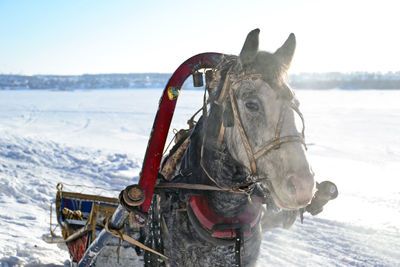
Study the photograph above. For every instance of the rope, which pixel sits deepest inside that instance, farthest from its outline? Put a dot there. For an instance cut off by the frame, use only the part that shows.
(170, 142)
(191, 121)
(51, 222)
(119, 234)
(61, 185)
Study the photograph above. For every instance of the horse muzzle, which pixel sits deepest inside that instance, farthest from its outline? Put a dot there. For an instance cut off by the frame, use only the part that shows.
(300, 188)
(295, 192)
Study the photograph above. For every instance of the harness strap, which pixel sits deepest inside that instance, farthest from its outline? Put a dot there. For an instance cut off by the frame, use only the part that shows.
(221, 135)
(224, 89)
(193, 187)
(279, 125)
(239, 247)
(296, 109)
(276, 142)
(243, 135)
(119, 234)
(237, 189)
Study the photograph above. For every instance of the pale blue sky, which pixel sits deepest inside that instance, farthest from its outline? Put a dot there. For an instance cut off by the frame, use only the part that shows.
(96, 36)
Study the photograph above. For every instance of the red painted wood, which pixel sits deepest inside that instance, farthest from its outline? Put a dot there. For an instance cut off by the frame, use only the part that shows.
(163, 119)
(77, 247)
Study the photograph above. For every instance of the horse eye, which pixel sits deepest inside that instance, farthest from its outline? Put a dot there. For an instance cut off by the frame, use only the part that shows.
(252, 106)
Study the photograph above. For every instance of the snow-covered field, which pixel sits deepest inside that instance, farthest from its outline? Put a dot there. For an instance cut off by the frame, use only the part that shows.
(98, 138)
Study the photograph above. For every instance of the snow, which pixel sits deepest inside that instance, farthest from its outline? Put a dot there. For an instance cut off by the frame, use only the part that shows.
(98, 138)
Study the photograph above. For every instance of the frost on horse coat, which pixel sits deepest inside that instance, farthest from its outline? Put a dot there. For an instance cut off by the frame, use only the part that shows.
(286, 176)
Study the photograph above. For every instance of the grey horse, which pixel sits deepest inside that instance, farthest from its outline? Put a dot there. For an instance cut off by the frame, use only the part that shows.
(248, 150)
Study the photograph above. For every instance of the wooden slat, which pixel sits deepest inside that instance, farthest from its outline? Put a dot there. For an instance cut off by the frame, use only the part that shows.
(88, 197)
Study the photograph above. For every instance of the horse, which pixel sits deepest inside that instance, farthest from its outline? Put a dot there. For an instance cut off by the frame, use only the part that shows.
(244, 152)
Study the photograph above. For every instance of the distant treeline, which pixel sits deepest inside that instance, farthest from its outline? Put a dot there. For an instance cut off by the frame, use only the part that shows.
(356, 80)
(86, 81)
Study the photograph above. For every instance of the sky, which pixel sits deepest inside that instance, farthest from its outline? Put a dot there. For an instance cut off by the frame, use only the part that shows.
(97, 36)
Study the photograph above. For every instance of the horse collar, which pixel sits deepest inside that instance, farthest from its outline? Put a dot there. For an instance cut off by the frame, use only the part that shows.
(217, 226)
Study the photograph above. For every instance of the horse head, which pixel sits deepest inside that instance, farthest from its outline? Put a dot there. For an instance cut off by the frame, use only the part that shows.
(258, 118)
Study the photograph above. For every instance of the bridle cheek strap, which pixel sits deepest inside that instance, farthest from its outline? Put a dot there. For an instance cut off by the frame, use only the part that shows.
(274, 143)
(243, 135)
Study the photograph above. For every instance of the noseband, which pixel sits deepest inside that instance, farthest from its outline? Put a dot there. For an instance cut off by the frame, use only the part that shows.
(273, 143)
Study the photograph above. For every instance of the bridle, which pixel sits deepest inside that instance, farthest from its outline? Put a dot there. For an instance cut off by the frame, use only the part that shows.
(273, 143)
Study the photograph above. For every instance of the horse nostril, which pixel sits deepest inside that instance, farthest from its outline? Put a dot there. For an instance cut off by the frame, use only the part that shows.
(299, 188)
(291, 186)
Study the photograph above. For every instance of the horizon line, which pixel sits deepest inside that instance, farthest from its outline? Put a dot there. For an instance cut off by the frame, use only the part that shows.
(128, 73)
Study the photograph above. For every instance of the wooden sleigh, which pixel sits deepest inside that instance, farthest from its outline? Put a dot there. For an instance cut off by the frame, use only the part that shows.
(81, 218)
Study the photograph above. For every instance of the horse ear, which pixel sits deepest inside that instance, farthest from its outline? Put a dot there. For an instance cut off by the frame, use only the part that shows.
(286, 51)
(250, 47)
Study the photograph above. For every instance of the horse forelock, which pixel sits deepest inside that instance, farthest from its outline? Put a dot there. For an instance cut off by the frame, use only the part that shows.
(273, 72)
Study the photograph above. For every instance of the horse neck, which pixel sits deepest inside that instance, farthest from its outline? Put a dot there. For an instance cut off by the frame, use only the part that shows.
(227, 172)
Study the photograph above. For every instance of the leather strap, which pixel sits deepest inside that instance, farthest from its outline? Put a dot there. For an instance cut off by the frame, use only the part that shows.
(119, 234)
(245, 140)
(276, 142)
